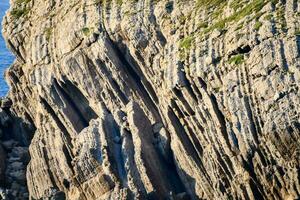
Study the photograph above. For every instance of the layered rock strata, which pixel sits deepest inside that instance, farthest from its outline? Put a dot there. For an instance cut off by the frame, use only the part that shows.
(15, 135)
(146, 99)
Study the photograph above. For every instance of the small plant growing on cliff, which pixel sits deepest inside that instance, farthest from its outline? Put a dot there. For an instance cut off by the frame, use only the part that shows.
(86, 31)
(48, 33)
(257, 25)
(98, 1)
(280, 15)
(237, 59)
(20, 9)
(17, 13)
(217, 89)
(208, 3)
(119, 2)
(186, 43)
(251, 8)
(202, 25)
(268, 17)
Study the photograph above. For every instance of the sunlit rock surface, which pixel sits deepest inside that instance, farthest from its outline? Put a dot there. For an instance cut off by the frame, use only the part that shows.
(147, 99)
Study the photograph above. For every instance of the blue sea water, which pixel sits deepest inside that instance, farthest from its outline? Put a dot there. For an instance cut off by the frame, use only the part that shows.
(6, 58)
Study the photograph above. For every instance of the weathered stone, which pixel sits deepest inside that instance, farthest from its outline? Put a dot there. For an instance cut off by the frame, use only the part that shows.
(157, 127)
(6, 103)
(4, 118)
(153, 99)
(3, 194)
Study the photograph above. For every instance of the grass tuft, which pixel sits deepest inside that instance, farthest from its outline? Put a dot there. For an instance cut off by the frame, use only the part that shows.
(253, 7)
(237, 59)
(186, 42)
(257, 25)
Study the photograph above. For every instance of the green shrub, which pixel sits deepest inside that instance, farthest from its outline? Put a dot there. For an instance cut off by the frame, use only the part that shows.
(237, 59)
(17, 13)
(86, 31)
(268, 17)
(20, 9)
(257, 25)
(186, 43)
(253, 7)
(208, 3)
(119, 2)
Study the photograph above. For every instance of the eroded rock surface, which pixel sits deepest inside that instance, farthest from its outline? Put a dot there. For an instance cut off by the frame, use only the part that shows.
(156, 99)
(15, 135)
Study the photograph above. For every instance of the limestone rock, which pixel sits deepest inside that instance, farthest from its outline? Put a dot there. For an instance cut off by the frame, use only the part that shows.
(13, 157)
(152, 99)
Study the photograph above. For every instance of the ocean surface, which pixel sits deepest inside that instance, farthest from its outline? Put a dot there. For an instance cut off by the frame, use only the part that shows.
(6, 58)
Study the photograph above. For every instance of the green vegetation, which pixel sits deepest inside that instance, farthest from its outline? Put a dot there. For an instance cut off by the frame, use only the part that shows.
(48, 33)
(208, 3)
(22, 1)
(268, 17)
(101, 2)
(202, 25)
(86, 31)
(20, 9)
(240, 26)
(217, 89)
(17, 13)
(217, 5)
(184, 46)
(186, 43)
(253, 7)
(257, 25)
(280, 15)
(119, 2)
(256, 16)
(237, 59)
(182, 19)
(235, 5)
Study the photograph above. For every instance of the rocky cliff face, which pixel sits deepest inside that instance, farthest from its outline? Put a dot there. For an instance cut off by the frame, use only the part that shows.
(15, 135)
(146, 99)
